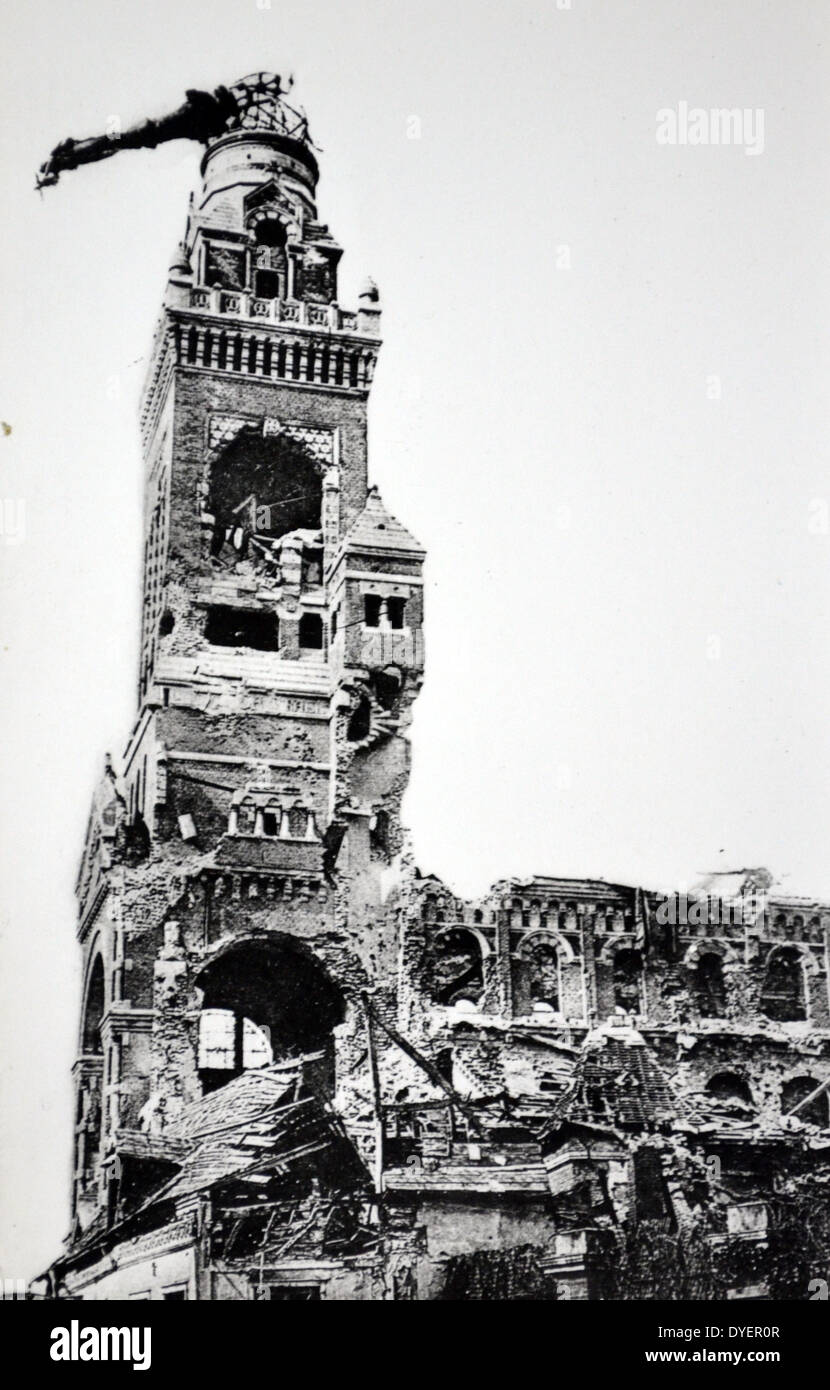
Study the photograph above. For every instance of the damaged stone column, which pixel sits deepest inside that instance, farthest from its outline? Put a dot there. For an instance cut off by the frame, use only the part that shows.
(174, 1072)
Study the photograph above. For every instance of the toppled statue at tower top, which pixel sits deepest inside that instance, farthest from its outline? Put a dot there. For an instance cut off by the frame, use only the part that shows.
(306, 1070)
(256, 102)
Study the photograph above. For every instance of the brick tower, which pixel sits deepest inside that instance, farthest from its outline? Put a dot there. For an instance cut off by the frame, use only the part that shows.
(233, 869)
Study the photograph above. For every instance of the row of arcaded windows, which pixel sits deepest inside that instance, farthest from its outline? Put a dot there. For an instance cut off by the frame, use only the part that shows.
(457, 973)
(273, 821)
(384, 612)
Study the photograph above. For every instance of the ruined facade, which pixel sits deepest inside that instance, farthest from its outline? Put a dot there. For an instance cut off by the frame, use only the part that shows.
(305, 1070)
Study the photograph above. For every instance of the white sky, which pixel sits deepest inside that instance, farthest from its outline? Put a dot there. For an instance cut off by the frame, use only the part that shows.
(593, 519)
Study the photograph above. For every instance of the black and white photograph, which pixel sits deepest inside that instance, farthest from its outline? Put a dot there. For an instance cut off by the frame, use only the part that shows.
(415, 666)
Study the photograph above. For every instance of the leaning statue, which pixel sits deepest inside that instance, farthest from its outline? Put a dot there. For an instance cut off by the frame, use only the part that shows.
(255, 102)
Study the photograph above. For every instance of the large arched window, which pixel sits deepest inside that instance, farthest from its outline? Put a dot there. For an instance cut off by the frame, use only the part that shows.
(783, 996)
(456, 967)
(728, 1086)
(797, 1090)
(263, 1002)
(265, 484)
(94, 1011)
(628, 981)
(709, 986)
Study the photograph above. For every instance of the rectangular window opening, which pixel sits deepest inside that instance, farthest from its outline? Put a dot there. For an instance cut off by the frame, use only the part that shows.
(396, 608)
(241, 627)
(371, 610)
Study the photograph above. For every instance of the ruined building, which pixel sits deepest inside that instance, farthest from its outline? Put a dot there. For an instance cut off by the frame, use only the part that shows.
(305, 1070)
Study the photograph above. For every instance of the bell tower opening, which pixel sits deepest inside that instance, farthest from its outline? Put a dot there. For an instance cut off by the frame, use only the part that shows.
(270, 259)
(268, 486)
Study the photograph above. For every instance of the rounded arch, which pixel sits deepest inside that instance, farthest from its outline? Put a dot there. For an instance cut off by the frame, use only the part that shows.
(729, 1086)
(709, 946)
(269, 229)
(784, 992)
(456, 956)
(265, 999)
(269, 215)
(551, 938)
(94, 1007)
(265, 483)
(483, 943)
(612, 945)
(536, 971)
(628, 979)
(808, 962)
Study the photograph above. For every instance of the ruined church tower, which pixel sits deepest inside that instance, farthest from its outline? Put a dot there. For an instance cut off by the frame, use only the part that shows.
(231, 881)
(307, 1070)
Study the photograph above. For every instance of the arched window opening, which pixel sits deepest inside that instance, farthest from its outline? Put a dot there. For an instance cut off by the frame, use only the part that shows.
(709, 986)
(728, 1086)
(428, 908)
(457, 969)
(783, 995)
(628, 981)
(536, 977)
(242, 818)
(311, 632)
(269, 259)
(798, 1089)
(266, 1002)
(269, 231)
(266, 484)
(94, 1012)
